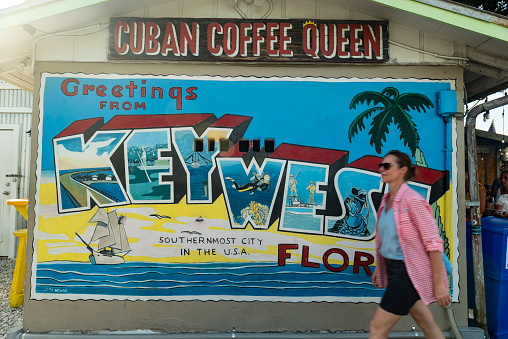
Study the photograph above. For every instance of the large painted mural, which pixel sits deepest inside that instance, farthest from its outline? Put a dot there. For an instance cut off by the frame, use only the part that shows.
(225, 188)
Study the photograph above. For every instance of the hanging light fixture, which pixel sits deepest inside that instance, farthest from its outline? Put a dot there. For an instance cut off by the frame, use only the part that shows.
(502, 114)
(504, 152)
(486, 115)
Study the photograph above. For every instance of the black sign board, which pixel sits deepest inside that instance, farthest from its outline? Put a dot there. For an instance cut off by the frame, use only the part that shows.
(248, 40)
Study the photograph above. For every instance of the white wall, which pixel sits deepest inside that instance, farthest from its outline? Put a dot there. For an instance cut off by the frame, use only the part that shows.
(87, 46)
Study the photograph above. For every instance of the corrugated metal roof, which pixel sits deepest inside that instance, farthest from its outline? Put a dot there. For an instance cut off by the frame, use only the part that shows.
(15, 98)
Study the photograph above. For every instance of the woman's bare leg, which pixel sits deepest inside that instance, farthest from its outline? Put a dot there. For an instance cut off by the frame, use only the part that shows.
(382, 323)
(424, 318)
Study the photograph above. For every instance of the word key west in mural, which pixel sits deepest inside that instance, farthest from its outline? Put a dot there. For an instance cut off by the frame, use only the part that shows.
(215, 188)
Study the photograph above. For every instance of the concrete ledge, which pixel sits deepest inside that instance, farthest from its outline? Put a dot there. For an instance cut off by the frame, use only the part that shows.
(109, 335)
(17, 333)
(14, 332)
(471, 332)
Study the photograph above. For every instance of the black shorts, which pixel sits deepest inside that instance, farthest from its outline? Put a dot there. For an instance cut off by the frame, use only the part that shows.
(400, 295)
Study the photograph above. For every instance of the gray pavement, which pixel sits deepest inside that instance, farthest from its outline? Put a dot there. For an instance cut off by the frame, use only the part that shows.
(9, 317)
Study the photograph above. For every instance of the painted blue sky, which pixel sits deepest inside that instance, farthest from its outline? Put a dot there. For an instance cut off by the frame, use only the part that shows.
(306, 111)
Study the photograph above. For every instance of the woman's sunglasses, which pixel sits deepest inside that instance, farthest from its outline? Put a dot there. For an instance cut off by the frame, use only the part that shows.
(386, 165)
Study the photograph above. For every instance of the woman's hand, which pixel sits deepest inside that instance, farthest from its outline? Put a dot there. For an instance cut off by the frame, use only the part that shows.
(441, 293)
(442, 296)
(374, 278)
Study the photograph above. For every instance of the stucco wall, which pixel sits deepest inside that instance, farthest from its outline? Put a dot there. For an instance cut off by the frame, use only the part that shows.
(183, 316)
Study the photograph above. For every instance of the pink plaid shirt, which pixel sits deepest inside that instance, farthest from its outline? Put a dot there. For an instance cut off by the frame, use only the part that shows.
(418, 234)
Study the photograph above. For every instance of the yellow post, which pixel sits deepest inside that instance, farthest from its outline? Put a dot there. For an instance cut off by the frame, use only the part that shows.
(18, 280)
(21, 205)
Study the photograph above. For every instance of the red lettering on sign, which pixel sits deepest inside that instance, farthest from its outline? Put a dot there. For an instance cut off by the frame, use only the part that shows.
(311, 40)
(87, 88)
(305, 258)
(189, 39)
(192, 95)
(117, 91)
(214, 28)
(230, 43)
(342, 41)
(100, 90)
(152, 46)
(138, 105)
(328, 40)
(137, 37)
(283, 255)
(245, 38)
(257, 39)
(65, 89)
(143, 89)
(345, 259)
(176, 93)
(365, 264)
(355, 41)
(285, 39)
(158, 90)
(271, 39)
(170, 42)
(373, 41)
(131, 88)
(121, 48)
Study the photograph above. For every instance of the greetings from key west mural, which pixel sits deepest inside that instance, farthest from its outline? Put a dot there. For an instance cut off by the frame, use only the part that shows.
(224, 188)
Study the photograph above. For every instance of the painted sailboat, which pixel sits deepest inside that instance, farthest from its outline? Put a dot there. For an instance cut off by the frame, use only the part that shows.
(296, 206)
(196, 160)
(112, 240)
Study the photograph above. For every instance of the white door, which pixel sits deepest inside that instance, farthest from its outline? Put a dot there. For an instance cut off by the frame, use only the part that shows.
(9, 183)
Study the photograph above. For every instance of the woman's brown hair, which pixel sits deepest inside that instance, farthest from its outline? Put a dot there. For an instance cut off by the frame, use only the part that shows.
(403, 160)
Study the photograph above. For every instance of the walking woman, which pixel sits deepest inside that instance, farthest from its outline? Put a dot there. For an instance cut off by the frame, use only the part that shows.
(408, 254)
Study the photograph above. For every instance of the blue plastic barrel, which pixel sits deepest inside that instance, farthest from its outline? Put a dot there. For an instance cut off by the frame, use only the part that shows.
(495, 264)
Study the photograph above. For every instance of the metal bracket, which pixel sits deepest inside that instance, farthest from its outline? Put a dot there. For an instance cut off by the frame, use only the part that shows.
(476, 229)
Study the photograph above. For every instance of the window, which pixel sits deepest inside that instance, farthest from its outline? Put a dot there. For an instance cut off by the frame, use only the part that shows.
(256, 145)
(243, 145)
(269, 145)
(198, 145)
(223, 145)
(211, 145)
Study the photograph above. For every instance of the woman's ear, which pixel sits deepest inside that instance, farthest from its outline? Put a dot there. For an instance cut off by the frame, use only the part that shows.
(404, 170)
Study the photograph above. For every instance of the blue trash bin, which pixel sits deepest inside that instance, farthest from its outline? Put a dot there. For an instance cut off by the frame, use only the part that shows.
(495, 265)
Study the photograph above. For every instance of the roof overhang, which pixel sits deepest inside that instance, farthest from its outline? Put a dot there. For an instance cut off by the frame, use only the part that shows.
(484, 34)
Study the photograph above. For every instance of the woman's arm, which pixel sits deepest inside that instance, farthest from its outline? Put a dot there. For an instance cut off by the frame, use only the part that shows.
(493, 192)
(440, 291)
(483, 199)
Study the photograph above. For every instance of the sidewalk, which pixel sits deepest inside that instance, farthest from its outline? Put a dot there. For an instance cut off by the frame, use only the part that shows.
(9, 317)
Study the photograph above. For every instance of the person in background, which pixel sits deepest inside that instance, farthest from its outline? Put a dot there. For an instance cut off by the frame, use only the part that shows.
(501, 196)
(409, 262)
(496, 184)
(488, 192)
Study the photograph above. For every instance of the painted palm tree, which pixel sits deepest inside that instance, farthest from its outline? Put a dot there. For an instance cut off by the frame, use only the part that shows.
(390, 106)
(393, 107)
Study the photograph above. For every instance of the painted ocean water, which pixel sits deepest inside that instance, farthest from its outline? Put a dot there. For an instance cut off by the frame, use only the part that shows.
(140, 279)
(199, 184)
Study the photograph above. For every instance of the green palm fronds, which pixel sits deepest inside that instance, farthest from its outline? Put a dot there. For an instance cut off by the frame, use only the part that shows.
(389, 106)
